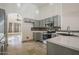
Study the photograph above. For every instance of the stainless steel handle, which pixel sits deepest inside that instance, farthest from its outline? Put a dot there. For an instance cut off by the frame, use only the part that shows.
(2, 38)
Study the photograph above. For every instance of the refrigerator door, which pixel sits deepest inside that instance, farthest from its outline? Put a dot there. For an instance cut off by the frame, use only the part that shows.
(3, 31)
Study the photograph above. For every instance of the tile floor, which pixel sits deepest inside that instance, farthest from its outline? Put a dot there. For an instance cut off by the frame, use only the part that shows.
(28, 48)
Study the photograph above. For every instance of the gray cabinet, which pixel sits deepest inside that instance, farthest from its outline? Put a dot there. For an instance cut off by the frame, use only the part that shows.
(54, 49)
(42, 23)
(36, 23)
(57, 21)
(37, 36)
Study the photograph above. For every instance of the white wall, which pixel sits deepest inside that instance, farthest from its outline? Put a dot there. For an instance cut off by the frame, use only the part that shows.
(49, 10)
(70, 16)
(26, 30)
(29, 11)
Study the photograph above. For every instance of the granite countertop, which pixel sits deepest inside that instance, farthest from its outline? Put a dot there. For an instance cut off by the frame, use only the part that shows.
(66, 41)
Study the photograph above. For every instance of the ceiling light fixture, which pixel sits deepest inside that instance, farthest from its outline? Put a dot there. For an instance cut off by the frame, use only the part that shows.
(18, 4)
(51, 4)
(37, 11)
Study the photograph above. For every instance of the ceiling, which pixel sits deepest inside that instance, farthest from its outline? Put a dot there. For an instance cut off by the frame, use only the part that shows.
(29, 10)
(40, 4)
(36, 4)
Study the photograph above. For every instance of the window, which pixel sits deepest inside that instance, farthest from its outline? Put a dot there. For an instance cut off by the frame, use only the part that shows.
(10, 27)
(17, 27)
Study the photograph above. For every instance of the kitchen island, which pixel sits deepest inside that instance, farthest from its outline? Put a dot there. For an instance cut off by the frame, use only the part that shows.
(63, 45)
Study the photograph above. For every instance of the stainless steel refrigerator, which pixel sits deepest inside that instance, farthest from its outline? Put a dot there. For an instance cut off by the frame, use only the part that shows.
(3, 32)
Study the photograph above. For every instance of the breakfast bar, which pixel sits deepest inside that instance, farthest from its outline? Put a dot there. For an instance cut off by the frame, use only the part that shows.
(63, 45)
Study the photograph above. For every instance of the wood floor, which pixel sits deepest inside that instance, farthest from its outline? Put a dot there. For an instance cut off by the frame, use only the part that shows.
(28, 48)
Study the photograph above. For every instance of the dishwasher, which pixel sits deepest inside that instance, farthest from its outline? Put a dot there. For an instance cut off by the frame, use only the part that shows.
(37, 36)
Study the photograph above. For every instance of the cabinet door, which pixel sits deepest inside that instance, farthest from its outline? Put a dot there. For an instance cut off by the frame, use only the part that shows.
(57, 21)
(42, 23)
(47, 21)
(36, 24)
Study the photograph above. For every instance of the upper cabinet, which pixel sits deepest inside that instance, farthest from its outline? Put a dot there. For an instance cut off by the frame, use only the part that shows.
(36, 23)
(42, 23)
(57, 21)
(50, 22)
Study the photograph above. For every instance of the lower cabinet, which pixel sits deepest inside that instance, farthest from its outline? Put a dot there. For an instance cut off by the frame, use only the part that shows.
(37, 36)
(54, 49)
